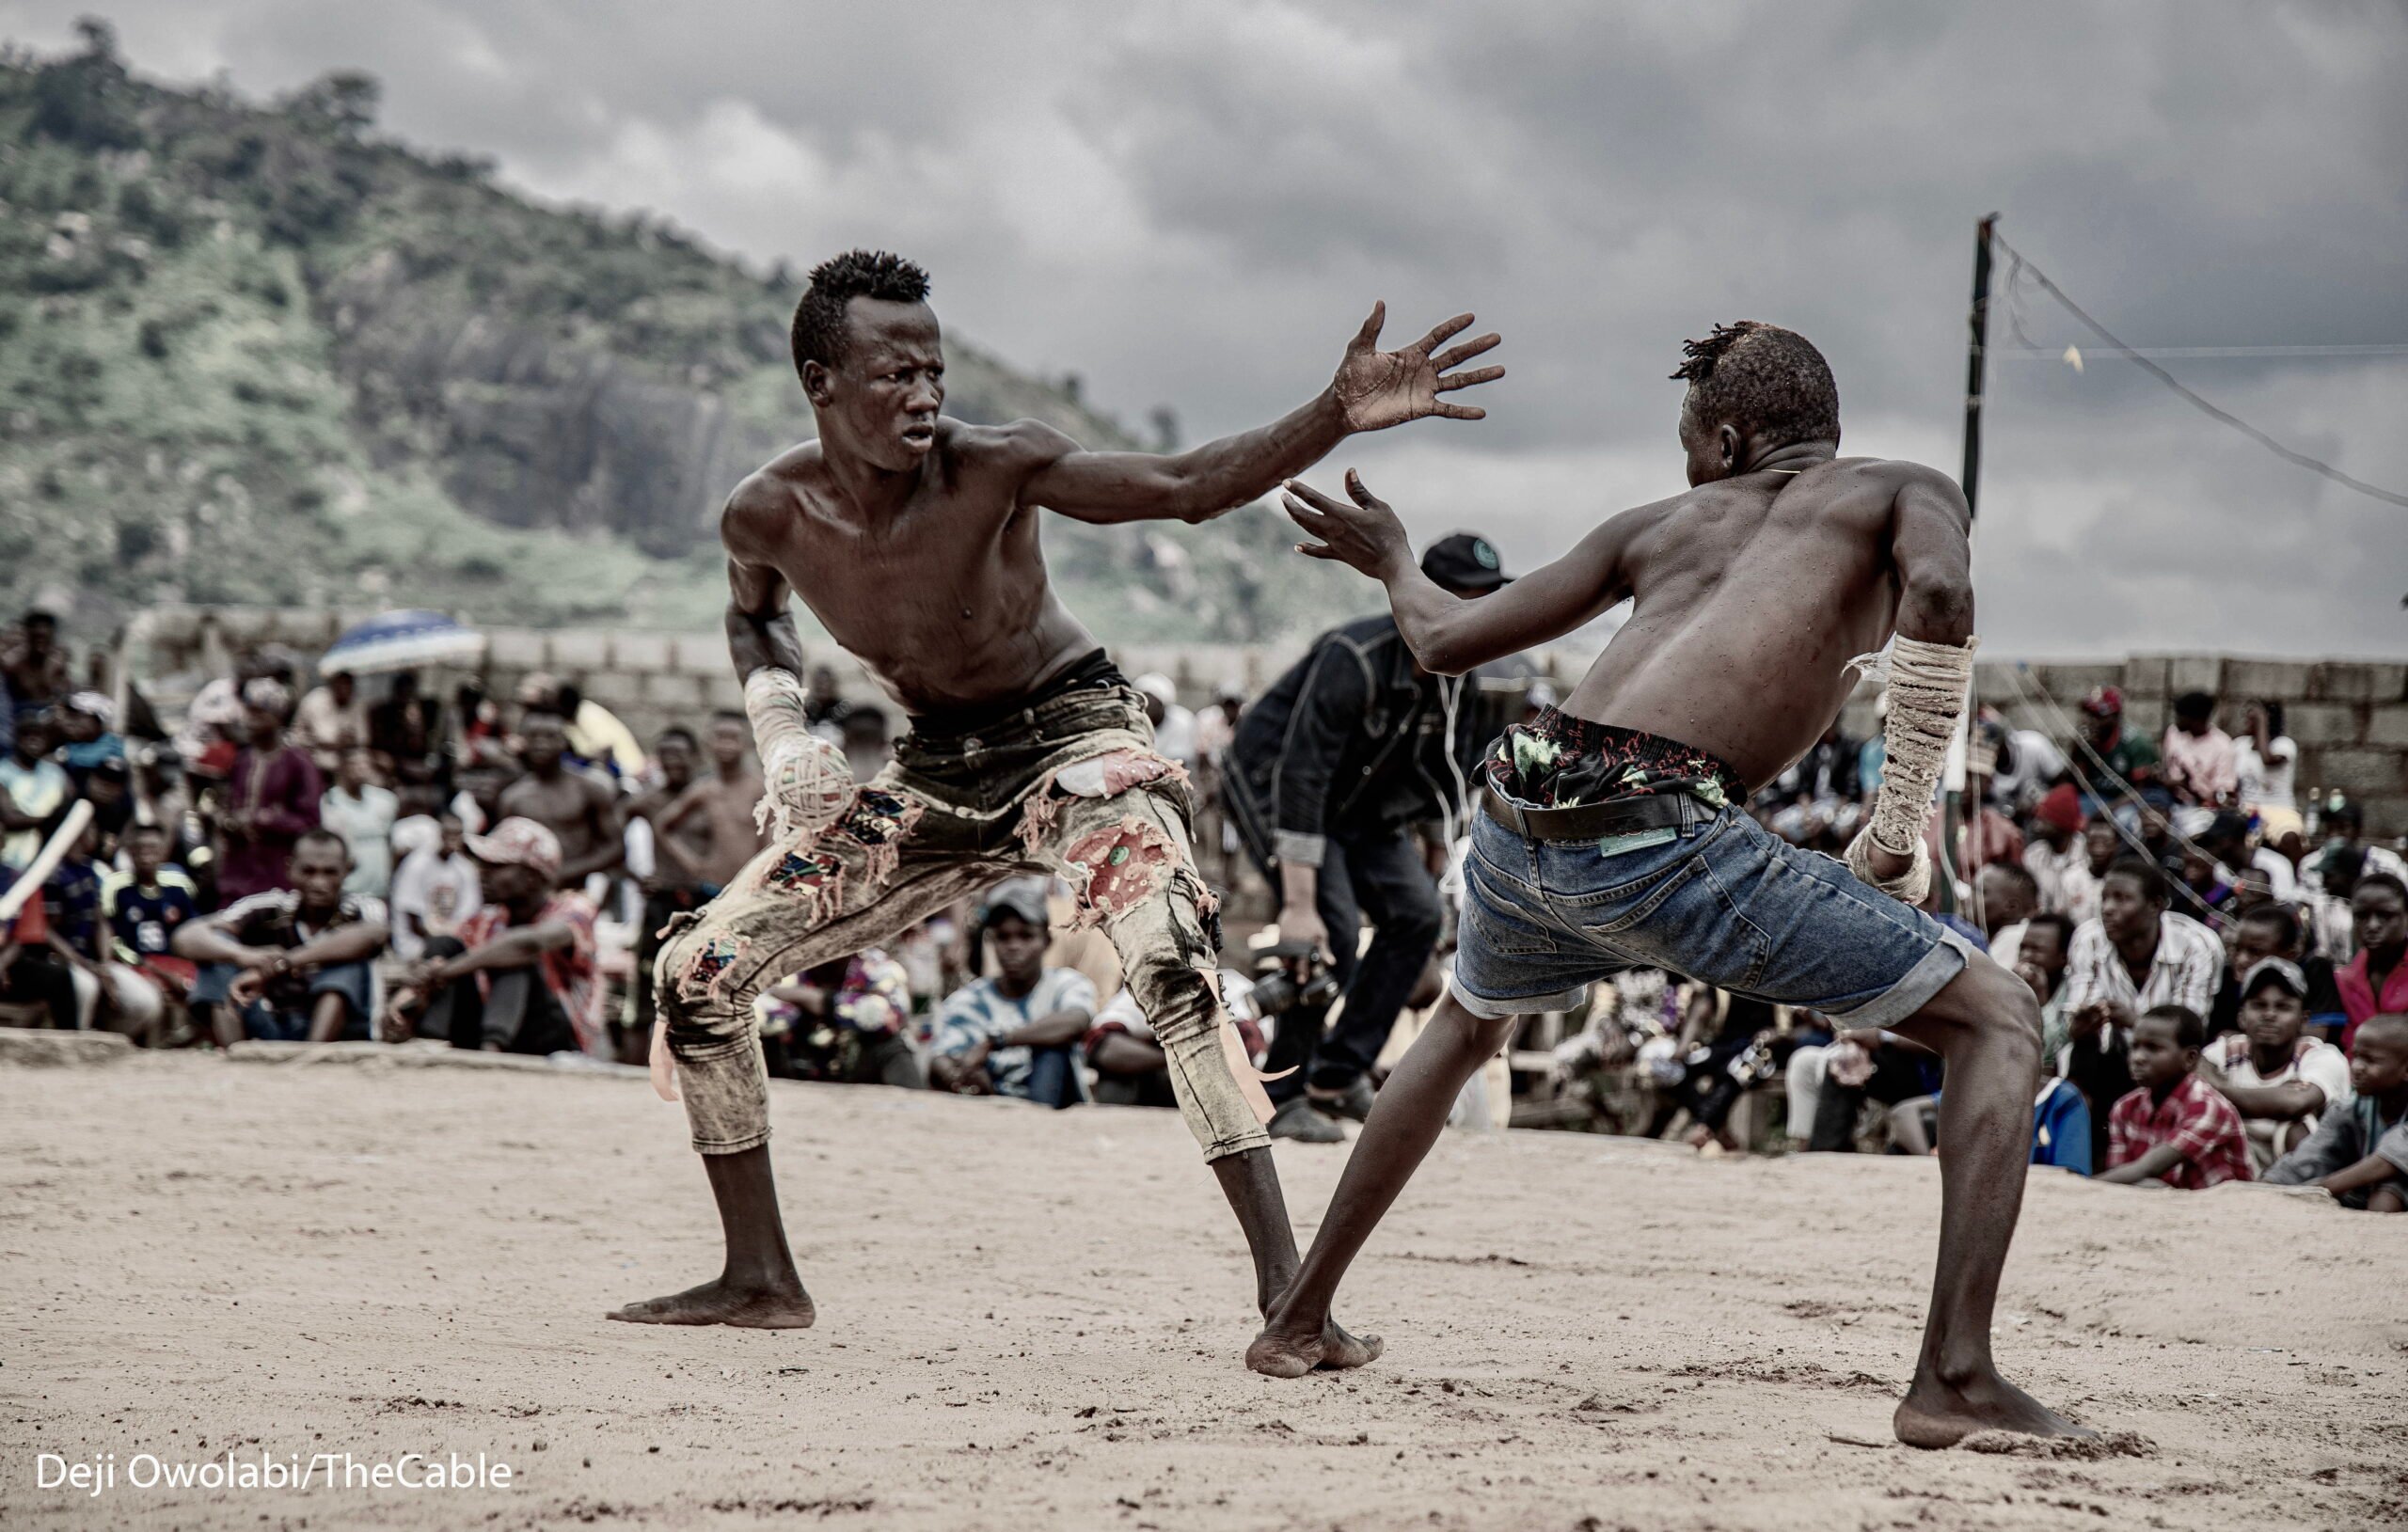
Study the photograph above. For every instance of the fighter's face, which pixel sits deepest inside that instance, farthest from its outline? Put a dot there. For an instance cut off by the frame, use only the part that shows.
(883, 395)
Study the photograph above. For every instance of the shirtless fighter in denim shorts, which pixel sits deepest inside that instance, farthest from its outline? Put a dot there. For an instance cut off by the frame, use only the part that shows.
(913, 538)
(1614, 834)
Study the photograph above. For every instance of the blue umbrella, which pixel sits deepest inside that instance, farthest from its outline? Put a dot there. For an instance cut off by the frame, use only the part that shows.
(399, 641)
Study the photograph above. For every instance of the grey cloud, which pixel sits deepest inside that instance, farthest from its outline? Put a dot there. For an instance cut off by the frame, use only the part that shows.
(1193, 205)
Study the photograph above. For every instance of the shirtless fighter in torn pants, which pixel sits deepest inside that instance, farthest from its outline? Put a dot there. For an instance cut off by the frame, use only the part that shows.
(1615, 833)
(914, 539)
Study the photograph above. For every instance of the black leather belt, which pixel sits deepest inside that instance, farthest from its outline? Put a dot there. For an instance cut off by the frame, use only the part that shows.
(1594, 821)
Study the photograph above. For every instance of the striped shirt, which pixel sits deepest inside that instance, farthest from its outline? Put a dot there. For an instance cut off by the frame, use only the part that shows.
(2187, 971)
(979, 1011)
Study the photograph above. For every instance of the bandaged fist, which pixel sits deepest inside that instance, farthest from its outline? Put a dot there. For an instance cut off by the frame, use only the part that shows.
(1906, 879)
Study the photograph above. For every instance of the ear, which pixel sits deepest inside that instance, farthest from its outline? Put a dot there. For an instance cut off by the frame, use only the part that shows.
(818, 384)
(1727, 444)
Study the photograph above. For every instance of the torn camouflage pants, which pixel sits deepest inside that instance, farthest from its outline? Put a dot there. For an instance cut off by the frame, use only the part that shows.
(1069, 786)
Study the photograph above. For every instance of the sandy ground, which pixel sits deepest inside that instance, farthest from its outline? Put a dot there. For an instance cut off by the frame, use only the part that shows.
(1035, 1320)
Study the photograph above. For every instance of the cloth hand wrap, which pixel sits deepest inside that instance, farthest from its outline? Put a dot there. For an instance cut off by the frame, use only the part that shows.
(807, 782)
(1928, 687)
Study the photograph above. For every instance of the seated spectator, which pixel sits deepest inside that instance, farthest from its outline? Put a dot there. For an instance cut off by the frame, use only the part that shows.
(402, 733)
(332, 719)
(272, 795)
(291, 963)
(2056, 858)
(2201, 766)
(2324, 898)
(2007, 894)
(2137, 955)
(2266, 760)
(87, 741)
(2039, 958)
(2173, 1128)
(1131, 1067)
(1174, 725)
(363, 815)
(2345, 834)
(2061, 1134)
(144, 907)
(2359, 1152)
(28, 978)
(435, 890)
(2272, 930)
(1017, 1034)
(33, 790)
(2278, 1079)
(2108, 751)
(108, 995)
(2376, 981)
(843, 1022)
(521, 976)
(1828, 1085)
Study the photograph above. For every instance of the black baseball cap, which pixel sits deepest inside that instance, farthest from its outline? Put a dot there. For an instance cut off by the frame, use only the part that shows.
(1464, 561)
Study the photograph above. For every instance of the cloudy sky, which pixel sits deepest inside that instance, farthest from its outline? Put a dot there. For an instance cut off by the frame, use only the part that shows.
(1194, 205)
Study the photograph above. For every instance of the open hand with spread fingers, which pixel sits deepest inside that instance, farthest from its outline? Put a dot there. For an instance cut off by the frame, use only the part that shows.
(1381, 388)
(1364, 535)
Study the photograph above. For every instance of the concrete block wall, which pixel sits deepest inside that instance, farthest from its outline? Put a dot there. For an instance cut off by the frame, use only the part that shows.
(2350, 717)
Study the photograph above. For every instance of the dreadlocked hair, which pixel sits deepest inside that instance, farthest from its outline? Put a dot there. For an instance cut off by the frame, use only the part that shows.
(1761, 378)
(818, 334)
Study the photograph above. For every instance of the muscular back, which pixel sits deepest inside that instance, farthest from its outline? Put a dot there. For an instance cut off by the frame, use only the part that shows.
(945, 599)
(1751, 594)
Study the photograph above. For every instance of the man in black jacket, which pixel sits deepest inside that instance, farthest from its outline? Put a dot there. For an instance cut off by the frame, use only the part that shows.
(1329, 770)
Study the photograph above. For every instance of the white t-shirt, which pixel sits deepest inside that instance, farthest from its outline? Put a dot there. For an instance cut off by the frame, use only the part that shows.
(436, 888)
(2266, 781)
(366, 825)
(2280, 877)
(2320, 1064)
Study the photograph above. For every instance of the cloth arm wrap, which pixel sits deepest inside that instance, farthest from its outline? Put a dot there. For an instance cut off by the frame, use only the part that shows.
(1928, 687)
(806, 781)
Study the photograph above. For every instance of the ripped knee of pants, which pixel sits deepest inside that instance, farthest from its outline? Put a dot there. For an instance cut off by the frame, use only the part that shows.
(694, 981)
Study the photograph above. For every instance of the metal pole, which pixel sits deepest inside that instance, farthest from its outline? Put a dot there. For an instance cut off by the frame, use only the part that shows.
(1977, 319)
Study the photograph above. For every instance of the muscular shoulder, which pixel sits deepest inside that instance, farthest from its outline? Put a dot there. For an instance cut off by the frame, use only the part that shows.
(1898, 477)
(1017, 447)
(767, 497)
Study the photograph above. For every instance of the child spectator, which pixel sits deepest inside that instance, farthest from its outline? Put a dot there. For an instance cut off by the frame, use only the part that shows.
(144, 909)
(2173, 1128)
(33, 790)
(2376, 981)
(2359, 1153)
(2280, 1081)
(1018, 1033)
(362, 813)
(522, 976)
(291, 963)
(435, 890)
(87, 741)
(108, 995)
(1131, 1067)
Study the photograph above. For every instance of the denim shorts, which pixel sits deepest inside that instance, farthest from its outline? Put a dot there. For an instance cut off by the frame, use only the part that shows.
(1719, 900)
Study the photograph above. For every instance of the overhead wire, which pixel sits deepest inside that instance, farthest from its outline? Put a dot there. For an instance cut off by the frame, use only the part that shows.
(2021, 265)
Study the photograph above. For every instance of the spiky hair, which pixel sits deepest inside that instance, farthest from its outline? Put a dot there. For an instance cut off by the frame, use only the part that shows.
(1762, 378)
(818, 334)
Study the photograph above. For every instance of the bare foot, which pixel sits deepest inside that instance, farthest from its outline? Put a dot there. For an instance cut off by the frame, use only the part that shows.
(1278, 1355)
(722, 1303)
(1938, 1415)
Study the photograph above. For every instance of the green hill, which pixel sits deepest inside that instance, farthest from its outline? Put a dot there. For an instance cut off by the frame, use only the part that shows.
(259, 354)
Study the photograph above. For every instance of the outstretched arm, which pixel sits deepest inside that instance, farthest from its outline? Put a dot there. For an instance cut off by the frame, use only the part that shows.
(1374, 390)
(1447, 633)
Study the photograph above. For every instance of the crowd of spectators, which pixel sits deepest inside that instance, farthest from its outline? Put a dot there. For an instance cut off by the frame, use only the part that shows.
(2220, 966)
